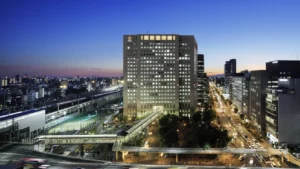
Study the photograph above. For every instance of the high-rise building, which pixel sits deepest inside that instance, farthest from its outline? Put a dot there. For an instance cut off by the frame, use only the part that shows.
(202, 85)
(229, 70)
(282, 112)
(240, 90)
(160, 71)
(280, 69)
(257, 96)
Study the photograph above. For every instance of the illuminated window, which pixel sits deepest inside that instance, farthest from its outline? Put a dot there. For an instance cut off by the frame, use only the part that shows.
(151, 37)
(174, 37)
(157, 37)
(142, 38)
(169, 37)
(163, 37)
(146, 37)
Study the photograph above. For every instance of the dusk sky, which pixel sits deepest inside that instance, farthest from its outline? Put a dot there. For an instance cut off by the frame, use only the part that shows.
(72, 37)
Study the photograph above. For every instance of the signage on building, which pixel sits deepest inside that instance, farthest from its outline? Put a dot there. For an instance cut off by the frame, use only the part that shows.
(129, 39)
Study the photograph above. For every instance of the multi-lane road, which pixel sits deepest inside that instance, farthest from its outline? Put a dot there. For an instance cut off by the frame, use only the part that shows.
(243, 137)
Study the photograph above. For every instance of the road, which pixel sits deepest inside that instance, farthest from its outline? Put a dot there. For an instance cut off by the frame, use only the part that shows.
(11, 155)
(241, 130)
(233, 128)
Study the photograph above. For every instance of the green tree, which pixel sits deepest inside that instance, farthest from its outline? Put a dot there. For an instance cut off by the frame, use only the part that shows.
(197, 117)
(171, 138)
(242, 116)
(81, 150)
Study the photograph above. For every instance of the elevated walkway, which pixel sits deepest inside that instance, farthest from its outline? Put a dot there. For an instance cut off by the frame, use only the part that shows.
(202, 150)
(96, 139)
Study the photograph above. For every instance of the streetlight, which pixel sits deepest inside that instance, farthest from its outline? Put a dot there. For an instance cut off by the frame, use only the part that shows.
(251, 161)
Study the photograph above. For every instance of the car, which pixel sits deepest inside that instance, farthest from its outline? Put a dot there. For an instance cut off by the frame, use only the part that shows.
(273, 164)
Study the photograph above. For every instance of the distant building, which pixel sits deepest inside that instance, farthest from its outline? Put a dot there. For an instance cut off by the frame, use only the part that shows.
(202, 84)
(89, 87)
(4, 82)
(18, 78)
(12, 81)
(114, 81)
(64, 84)
(160, 72)
(240, 90)
(229, 70)
(257, 96)
(41, 92)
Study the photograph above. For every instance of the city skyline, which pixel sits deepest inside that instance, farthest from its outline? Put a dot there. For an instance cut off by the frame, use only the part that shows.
(58, 38)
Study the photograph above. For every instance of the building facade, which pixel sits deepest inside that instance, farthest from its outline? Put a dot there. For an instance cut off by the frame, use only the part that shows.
(202, 85)
(282, 112)
(229, 70)
(280, 69)
(257, 96)
(160, 71)
(240, 92)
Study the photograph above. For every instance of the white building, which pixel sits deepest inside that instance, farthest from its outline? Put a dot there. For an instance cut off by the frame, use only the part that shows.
(114, 81)
(89, 87)
(41, 92)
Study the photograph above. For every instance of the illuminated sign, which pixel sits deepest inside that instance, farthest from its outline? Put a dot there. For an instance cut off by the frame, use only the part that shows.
(283, 80)
(129, 39)
(275, 62)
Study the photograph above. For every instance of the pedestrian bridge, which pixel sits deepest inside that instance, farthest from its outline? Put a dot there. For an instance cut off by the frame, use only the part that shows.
(202, 150)
(101, 138)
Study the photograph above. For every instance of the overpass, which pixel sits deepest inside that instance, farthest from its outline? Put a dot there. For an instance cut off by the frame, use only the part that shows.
(202, 150)
(43, 140)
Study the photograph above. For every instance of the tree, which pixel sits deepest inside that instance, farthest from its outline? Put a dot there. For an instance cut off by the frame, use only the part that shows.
(236, 110)
(81, 150)
(171, 138)
(168, 129)
(208, 116)
(242, 116)
(197, 117)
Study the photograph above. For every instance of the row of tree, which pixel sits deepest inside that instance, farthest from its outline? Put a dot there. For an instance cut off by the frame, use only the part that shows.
(194, 132)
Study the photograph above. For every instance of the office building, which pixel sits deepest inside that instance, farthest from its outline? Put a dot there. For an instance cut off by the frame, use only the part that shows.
(160, 72)
(229, 70)
(202, 85)
(280, 69)
(257, 96)
(282, 109)
(240, 90)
